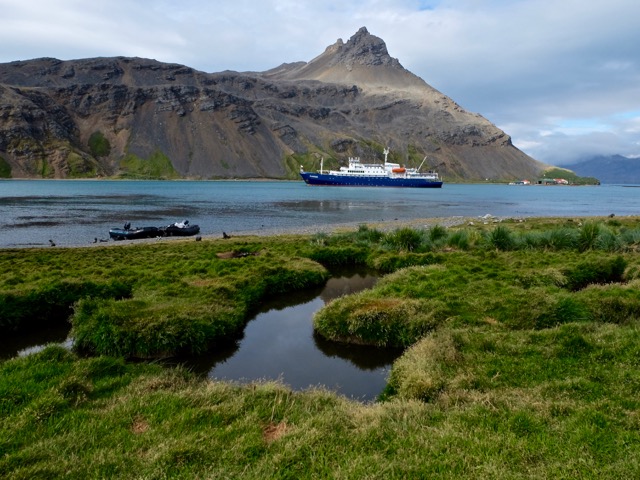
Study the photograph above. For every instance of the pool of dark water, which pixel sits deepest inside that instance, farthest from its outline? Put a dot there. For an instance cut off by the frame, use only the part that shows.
(279, 344)
(24, 342)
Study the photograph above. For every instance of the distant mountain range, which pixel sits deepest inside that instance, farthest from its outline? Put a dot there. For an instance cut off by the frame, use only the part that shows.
(609, 169)
(140, 118)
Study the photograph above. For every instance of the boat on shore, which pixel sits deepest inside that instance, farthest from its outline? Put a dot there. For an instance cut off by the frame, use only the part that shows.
(361, 174)
(134, 233)
(178, 229)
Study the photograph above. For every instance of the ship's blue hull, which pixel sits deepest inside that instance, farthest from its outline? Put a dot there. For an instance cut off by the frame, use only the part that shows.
(367, 181)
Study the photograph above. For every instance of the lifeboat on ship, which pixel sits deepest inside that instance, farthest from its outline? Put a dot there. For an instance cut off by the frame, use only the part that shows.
(399, 170)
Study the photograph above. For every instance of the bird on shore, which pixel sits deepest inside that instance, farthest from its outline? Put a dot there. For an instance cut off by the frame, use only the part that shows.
(52, 243)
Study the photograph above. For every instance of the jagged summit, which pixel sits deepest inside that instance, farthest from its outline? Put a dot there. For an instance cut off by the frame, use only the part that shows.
(361, 49)
(364, 60)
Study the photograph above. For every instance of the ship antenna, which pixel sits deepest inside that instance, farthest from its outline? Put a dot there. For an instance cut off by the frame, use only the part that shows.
(386, 152)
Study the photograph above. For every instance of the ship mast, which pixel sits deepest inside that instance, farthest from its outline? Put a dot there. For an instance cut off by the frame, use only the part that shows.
(423, 160)
(386, 152)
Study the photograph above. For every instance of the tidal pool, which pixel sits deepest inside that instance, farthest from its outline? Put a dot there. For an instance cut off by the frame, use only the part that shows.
(279, 344)
(32, 340)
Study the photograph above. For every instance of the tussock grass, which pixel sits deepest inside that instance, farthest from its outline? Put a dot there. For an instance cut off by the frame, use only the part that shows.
(460, 239)
(406, 239)
(592, 271)
(187, 318)
(423, 372)
(20, 309)
(469, 404)
(152, 299)
(340, 255)
(520, 289)
(369, 319)
(501, 238)
(391, 262)
(521, 358)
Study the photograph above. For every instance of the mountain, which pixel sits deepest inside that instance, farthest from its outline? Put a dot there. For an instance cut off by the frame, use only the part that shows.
(134, 117)
(609, 169)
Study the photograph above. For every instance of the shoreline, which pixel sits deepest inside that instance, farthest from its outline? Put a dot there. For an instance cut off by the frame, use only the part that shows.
(383, 225)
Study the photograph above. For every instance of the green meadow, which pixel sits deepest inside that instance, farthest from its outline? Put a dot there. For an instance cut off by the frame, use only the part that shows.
(521, 358)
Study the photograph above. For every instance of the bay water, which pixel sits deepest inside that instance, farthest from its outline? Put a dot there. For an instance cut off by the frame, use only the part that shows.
(80, 212)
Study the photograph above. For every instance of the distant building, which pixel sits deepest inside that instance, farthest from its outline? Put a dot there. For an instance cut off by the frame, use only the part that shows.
(553, 181)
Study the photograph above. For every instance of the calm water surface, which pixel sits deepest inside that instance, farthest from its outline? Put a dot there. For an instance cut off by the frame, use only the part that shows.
(77, 212)
(279, 344)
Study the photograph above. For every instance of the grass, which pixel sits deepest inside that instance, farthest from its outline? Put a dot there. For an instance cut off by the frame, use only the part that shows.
(5, 168)
(555, 404)
(521, 355)
(156, 166)
(99, 145)
(149, 300)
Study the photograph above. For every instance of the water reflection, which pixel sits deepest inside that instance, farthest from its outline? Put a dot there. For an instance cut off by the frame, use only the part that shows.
(279, 344)
(33, 339)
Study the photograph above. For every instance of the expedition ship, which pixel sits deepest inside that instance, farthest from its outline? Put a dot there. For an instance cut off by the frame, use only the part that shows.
(373, 175)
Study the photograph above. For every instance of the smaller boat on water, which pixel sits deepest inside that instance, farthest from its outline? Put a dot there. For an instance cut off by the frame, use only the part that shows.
(135, 233)
(181, 229)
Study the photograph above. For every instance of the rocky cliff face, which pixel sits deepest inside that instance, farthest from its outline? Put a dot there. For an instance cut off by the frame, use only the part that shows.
(131, 116)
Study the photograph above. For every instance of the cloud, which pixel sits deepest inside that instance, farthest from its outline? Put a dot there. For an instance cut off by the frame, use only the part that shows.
(562, 78)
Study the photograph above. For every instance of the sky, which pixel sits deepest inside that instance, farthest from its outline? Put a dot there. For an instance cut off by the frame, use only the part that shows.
(562, 77)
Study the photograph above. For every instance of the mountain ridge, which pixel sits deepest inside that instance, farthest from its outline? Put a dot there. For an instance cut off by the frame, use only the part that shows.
(170, 120)
(616, 169)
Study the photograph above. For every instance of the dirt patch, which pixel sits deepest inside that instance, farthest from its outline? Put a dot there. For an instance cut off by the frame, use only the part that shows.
(235, 254)
(274, 431)
(140, 425)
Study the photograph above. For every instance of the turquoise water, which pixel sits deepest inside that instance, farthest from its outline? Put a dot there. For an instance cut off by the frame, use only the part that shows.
(77, 212)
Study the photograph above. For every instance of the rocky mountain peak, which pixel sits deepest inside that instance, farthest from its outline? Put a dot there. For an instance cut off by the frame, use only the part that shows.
(363, 60)
(365, 49)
